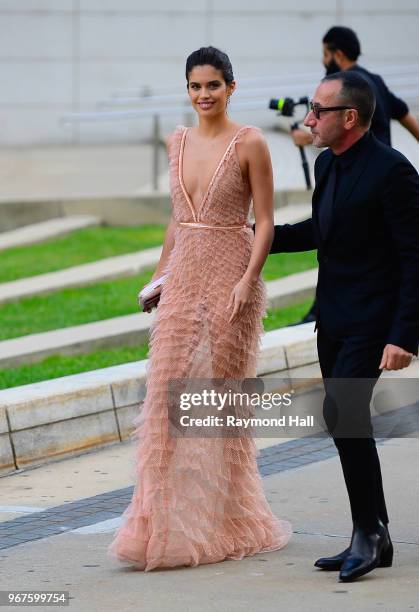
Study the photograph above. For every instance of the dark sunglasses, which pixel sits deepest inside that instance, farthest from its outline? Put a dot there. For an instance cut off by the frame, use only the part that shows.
(317, 109)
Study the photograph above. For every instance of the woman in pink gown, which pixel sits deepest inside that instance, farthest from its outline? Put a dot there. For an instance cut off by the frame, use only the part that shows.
(201, 500)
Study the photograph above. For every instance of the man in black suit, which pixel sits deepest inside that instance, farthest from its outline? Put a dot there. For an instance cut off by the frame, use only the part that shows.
(365, 227)
(341, 50)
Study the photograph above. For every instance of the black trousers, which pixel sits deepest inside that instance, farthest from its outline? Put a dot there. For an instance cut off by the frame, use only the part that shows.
(357, 358)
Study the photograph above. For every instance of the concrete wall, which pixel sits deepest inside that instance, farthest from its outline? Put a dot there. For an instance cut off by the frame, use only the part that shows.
(58, 56)
(75, 414)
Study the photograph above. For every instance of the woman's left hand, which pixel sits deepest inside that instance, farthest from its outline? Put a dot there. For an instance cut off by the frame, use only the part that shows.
(240, 299)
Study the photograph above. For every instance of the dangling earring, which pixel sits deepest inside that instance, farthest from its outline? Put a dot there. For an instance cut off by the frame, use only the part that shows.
(228, 102)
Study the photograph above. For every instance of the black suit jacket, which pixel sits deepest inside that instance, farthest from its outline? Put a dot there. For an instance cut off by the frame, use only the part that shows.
(368, 280)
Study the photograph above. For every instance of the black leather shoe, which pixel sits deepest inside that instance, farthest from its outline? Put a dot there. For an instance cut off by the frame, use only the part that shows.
(369, 549)
(332, 564)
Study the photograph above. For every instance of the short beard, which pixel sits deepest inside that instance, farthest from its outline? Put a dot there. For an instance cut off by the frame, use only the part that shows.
(332, 67)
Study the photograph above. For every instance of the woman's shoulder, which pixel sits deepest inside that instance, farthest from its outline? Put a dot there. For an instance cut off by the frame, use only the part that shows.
(252, 137)
(250, 133)
(248, 128)
(175, 135)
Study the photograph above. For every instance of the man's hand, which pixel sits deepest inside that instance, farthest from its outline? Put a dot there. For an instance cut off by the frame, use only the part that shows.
(395, 358)
(301, 138)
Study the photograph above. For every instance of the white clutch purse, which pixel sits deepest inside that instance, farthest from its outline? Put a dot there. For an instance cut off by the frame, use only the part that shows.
(149, 295)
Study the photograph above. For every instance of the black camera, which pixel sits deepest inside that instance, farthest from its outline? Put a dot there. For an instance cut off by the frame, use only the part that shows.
(286, 107)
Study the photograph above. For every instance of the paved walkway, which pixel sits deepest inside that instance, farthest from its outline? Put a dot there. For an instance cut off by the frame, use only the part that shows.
(115, 170)
(310, 493)
(101, 512)
(73, 172)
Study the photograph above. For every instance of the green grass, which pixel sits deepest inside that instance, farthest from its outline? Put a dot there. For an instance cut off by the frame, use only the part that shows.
(78, 247)
(71, 307)
(283, 264)
(91, 244)
(65, 365)
(114, 298)
(281, 317)
(62, 365)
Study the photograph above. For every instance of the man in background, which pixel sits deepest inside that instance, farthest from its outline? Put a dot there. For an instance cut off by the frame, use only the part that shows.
(341, 49)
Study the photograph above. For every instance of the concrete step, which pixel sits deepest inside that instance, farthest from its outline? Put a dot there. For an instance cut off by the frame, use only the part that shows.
(112, 267)
(75, 414)
(135, 209)
(129, 330)
(77, 276)
(53, 228)
(292, 213)
(292, 289)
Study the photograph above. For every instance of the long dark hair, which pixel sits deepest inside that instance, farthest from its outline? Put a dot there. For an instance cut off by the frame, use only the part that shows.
(212, 57)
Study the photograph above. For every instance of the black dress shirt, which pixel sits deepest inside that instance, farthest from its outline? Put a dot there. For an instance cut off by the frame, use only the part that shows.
(345, 161)
(338, 182)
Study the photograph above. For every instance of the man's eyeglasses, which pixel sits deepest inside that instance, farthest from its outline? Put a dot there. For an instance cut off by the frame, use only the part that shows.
(317, 109)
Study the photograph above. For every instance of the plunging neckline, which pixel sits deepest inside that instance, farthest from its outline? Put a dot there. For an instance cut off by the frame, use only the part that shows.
(195, 212)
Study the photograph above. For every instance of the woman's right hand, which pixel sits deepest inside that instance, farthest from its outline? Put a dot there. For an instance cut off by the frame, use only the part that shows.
(241, 298)
(150, 300)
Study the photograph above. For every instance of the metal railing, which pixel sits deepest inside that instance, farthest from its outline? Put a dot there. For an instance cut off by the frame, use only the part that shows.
(249, 97)
(384, 70)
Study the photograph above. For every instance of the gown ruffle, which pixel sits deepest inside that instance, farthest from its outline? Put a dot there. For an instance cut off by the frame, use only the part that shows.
(199, 500)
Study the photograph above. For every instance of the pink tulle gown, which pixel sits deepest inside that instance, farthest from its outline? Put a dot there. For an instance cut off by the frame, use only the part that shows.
(200, 500)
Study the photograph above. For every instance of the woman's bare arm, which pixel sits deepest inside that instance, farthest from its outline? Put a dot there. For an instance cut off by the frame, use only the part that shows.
(169, 239)
(261, 183)
(259, 168)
